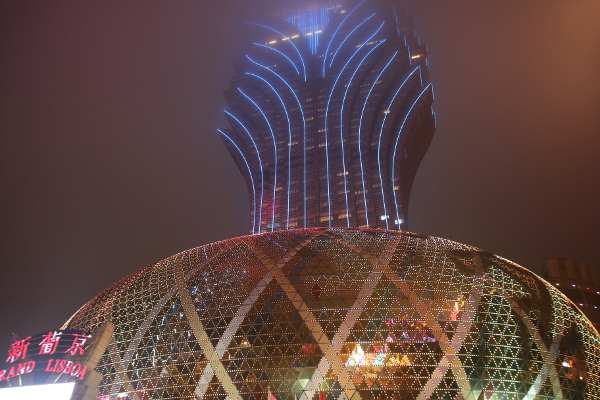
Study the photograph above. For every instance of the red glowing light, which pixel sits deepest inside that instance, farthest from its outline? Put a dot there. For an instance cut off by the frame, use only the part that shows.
(49, 343)
(77, 345)
(18, 349)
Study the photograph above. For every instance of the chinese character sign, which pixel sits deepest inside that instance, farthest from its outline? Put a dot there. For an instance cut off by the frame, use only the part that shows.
(36, 357)
(18, 350)
(77, 345)
(49, 343)
(69, 343)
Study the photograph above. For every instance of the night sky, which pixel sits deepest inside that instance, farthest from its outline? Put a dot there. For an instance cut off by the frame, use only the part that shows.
(110, 160)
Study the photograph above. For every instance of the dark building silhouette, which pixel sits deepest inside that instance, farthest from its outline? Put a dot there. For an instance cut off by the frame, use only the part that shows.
(579, 282)
(331, 115)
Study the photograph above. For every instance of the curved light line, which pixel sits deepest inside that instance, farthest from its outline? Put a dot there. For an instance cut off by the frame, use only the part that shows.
(379, 146)
(396, 148)
(289, 147)
(289, 41)
(274, 150)
(346, 38)
(303, 122)
(342, 128)
(251, 178)
(326, 125)
(274, 49)
(262, 179)
(334, 33)
(362, 171)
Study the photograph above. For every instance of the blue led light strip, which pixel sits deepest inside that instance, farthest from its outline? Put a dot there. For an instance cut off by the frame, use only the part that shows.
(379, 147)
(303, 127)
(342, 128)
(251, 179)
(346, 38)
(326, 128)
(275, 155)
(397, 24)
(334, 33)
(362, 171)
(396, 148)
(287, 58)
(262, 180)
(312, 23)
(289, 147)
(288, 40)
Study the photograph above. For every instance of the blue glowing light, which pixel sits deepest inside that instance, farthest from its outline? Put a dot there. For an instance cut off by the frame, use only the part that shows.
(379, 146)
(262, 180)
(346, 38)
(303, 125)
(289, 147)
(396, 147)
(326, 127)
(342, 126)
(312, 23)
(362, 171)
(396, 17)
(275, 155)
(286, 57)
(348, 103)
(334, 33)
(251, 178)
(289, 40)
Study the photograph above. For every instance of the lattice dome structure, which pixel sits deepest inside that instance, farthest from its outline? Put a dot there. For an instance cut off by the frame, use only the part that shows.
(341, 314)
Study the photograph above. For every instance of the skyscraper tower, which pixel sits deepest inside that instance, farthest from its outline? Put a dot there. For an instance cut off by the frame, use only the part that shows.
(330, 115)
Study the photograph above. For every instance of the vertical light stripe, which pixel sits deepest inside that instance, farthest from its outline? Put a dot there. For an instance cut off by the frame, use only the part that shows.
(289, 147)
(342, 128)
(397, 24)
(392, 172)
(275, 156)
(326, 127)
(303, 127)
(251, 179)
(333, 36)
(381, 184)
(260, 164)
(362, 171)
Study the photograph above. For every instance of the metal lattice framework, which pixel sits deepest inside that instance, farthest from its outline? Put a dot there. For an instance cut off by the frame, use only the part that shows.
(343, 314)
(331, 115)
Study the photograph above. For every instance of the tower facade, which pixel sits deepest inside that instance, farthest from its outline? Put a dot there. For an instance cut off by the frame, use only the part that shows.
(330, 116)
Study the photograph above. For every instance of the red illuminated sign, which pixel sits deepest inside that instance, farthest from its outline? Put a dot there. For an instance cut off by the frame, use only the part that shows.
(48, 345)
(32, 354)
(77, 345)
(66, 367)
(15, 370)
(18, 350)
